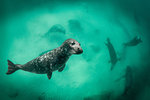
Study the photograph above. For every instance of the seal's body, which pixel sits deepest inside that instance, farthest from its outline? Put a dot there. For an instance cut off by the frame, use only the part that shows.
(112, 53)
(135, 41)
(128, 80)
(50, 61)
(128, 76)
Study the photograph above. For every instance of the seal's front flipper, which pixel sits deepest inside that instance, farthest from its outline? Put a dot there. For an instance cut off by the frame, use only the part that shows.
(62, 68)
(49, 75)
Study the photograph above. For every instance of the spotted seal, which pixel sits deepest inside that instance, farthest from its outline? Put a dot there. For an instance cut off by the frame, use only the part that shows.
(135, 41)
(112, 53)
(50, 61)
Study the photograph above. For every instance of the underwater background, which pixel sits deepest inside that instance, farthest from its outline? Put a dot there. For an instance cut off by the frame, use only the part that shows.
(30, 27)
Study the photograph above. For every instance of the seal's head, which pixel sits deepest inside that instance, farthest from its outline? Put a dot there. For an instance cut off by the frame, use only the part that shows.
(73, 46)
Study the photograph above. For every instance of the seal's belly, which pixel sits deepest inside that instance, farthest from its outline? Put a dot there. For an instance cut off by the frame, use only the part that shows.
(40, 70)
(56, 67)
(45, 63)
(36, 69)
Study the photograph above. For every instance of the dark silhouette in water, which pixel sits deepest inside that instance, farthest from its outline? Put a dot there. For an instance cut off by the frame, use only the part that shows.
(128, 80)
(57, 28)
(50, 61)
(101, 96)
(56, 32)
(13, 95)
(135, 41)
(112, 53)
(75, 26)
(42, 96)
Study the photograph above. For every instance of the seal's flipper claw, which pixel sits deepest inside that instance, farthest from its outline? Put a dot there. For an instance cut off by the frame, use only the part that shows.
(49, 75)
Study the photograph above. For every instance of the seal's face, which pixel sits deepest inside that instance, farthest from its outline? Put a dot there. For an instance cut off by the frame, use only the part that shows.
(74, 46)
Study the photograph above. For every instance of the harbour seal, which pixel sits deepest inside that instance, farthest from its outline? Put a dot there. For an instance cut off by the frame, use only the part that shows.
(128, 76)
(50, 61)
(128, 80)
(112, 53)
(135, 41)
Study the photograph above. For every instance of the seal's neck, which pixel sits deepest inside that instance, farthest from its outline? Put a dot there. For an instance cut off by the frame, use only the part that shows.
(64, 51)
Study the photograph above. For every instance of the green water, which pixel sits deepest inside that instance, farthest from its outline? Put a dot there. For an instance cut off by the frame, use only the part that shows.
(26, 32)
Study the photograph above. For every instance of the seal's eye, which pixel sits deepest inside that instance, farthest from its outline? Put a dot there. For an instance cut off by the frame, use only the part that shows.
(72, 43)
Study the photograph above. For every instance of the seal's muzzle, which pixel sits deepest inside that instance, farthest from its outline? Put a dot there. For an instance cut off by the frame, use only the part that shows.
(80, 50)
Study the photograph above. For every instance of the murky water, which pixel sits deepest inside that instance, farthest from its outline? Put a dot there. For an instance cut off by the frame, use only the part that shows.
(29, 28)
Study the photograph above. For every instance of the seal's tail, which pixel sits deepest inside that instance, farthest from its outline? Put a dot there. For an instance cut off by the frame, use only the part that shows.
(12, 67)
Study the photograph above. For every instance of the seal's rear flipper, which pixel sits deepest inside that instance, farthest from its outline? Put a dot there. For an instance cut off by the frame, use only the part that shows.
(49, 75)
(12, 67)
